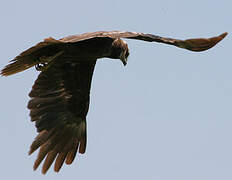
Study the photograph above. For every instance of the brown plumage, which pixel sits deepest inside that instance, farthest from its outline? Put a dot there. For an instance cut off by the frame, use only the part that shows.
(60, 95)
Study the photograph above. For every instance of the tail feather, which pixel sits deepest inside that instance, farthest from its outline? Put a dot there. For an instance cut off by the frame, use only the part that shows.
(18, 65)
(32, 56)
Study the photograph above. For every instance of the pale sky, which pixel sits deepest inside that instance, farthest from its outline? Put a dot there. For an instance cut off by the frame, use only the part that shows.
(166, 115)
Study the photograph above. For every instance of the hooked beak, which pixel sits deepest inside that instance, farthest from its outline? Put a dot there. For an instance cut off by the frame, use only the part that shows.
(123, 58)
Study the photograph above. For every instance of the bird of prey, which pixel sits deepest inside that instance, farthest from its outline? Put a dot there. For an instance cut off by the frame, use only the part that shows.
(60, 95)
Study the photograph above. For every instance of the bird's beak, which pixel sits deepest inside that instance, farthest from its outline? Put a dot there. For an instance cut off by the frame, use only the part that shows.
(124, 62)
(123, 58)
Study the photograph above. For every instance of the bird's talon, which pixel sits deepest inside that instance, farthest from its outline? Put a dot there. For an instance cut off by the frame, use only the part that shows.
(41, 66)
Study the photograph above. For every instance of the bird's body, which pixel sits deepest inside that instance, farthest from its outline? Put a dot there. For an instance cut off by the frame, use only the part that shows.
(60, 95)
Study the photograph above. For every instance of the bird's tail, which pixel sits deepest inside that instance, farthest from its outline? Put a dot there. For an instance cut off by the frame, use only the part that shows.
(31, 57)
(17, 65)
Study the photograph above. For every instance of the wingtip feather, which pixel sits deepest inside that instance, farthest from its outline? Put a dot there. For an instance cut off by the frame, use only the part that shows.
(60, 161)
(49, 160)
(200, 44)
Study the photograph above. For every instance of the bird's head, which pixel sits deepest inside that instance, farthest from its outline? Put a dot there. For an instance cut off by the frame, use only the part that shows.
(119, 50)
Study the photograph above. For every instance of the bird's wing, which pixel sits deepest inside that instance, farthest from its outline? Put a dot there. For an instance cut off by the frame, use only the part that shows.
(197, 44)
(53, 48)
(59, 105)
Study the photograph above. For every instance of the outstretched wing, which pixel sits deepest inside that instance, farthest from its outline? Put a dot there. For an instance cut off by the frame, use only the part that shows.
(52, 48)
(59, 105)
(198, 44)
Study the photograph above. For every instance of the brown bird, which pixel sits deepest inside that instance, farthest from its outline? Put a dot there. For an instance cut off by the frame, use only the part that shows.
(60, 95)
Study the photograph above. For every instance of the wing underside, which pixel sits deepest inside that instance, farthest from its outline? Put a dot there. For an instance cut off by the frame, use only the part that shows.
(59, 105)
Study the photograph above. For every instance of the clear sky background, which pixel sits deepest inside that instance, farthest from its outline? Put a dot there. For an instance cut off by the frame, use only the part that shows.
(166, 115)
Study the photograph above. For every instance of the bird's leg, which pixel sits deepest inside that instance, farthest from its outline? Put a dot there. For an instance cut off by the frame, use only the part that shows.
(46, 62)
